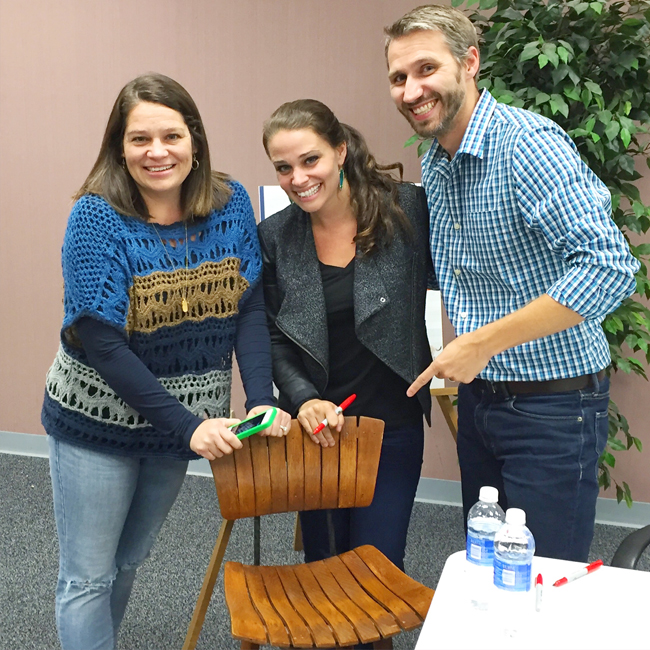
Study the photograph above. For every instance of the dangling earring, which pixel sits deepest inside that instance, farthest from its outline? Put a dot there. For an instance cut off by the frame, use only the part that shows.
(341, 177)
(123, 162)
(195, 162)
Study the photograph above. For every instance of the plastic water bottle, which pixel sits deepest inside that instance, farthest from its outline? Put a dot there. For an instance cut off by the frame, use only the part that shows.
(514, 548)
(484, 519)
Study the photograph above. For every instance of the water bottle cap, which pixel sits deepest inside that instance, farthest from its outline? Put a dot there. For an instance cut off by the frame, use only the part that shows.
(515, 516)
(488, 494)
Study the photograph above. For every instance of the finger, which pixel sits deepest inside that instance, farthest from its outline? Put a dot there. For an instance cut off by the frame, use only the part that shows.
(422, 380)
(329, 438)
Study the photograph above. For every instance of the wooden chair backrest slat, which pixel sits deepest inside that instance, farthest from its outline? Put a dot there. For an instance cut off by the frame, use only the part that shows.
(348, 466)
(279, 479)
(261, 474)
(368, 451)
(330, 460)
(313, 460)
(295, 468)
(293, 473)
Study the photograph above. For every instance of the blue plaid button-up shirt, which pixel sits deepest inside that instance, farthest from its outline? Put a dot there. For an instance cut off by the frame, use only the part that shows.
(516, 214)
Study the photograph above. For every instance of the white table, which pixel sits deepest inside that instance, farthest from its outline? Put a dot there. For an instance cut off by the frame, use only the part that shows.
(608, 609)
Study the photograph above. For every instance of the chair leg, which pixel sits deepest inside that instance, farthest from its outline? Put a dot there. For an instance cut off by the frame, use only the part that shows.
(383, 644)
(451, 417)
(207, 588)
(248, 645)
(297, 534)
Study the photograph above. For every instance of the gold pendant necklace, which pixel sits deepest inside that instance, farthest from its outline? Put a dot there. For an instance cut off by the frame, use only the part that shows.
(184, 304)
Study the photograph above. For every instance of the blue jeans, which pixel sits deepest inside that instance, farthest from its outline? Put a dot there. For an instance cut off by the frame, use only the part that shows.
(384, 523)
(541, 452)
(109, 510)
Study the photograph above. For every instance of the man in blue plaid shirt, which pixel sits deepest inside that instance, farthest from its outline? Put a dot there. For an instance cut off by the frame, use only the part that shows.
(529, 263)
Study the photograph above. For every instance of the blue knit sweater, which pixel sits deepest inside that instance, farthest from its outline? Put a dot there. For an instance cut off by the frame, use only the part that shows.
(116, 270)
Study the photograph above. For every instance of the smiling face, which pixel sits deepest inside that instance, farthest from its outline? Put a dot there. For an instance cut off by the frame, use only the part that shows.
(307, 167)
(430, 88)
(157, 151)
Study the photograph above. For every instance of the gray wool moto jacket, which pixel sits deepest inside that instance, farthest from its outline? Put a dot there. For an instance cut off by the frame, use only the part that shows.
(389, 297)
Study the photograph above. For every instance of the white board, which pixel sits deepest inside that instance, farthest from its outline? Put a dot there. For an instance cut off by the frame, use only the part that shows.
(273, 199)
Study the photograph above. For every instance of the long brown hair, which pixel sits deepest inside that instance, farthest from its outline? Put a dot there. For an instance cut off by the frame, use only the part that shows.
(203, 190)
(373, 191)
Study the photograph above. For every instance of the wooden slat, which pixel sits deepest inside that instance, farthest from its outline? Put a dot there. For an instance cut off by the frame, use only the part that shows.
(362, 623)
(371, 433)
(225, 480)
(245, 480)
(348, 464)
(416, 595)
(298, 631)
(330, 473)
(320, 631)
(295, 467)
(275, 629)
(313, 461)
(404, 615)
(341, 627)
(279, 482)
(261, 474)
(244, 620)
(383, 619)
(207, 587)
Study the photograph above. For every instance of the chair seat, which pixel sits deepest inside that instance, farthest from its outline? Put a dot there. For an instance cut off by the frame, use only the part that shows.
(356, 597)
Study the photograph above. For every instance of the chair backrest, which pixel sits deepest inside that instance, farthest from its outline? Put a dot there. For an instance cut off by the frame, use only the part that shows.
(293, 473)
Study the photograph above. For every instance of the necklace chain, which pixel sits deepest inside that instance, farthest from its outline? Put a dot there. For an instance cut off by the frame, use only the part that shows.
(184, 303)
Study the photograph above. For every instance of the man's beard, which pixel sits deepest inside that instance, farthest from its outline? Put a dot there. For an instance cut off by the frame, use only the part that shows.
(450, 107)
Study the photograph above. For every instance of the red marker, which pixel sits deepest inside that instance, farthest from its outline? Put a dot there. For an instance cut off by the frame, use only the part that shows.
(339, 409)
(590, 568)
(539, 582)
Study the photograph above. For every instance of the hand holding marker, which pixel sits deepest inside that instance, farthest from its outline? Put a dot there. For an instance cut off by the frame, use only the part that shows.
(339, 409)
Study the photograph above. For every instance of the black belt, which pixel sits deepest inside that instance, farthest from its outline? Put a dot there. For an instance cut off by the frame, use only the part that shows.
(537, 387)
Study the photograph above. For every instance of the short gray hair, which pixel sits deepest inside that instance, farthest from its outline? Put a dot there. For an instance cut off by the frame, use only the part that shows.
(459, 32)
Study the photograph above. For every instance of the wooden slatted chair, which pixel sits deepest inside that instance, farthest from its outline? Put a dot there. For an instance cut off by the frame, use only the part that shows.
(355, 597)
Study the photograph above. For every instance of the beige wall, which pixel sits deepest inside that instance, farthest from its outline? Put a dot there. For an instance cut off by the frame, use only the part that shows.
(61, 67)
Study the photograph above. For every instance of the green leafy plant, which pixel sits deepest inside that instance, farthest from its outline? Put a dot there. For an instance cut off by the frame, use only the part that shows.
(585, 65)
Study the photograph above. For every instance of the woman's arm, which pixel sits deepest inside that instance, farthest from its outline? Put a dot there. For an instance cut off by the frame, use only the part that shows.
(109, 354)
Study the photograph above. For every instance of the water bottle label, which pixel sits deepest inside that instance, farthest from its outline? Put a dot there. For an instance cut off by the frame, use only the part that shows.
(511, 577)
(480, 550)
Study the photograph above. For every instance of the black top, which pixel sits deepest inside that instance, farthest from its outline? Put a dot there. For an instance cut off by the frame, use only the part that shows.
(381, 393)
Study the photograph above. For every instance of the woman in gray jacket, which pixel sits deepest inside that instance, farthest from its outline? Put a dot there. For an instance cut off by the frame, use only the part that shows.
(345, 278)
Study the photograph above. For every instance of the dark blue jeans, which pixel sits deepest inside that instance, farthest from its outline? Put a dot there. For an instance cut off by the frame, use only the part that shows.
(541, 452)
(384, 523)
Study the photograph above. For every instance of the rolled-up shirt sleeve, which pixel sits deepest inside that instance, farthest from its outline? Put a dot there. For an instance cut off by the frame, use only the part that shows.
(560, 197)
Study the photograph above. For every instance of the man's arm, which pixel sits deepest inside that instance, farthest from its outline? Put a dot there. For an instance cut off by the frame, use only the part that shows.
(467, 355)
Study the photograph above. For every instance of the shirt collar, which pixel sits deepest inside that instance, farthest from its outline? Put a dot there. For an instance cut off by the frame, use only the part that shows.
(474, 139)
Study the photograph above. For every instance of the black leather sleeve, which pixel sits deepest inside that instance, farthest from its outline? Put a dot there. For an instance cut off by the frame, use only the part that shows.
(289, 372)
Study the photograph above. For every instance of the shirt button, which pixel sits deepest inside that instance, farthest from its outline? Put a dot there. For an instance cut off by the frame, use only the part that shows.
(456, 226)
(457, 272)
(463, 314)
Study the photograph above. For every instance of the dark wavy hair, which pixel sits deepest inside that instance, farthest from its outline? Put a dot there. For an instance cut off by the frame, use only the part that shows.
(373, 191)
(202, 191)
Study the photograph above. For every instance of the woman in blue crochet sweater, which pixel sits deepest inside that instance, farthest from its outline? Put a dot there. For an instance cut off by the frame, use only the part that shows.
(162, 273)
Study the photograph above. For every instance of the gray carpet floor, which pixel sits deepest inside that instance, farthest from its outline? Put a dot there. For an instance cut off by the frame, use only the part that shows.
(168, 584)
